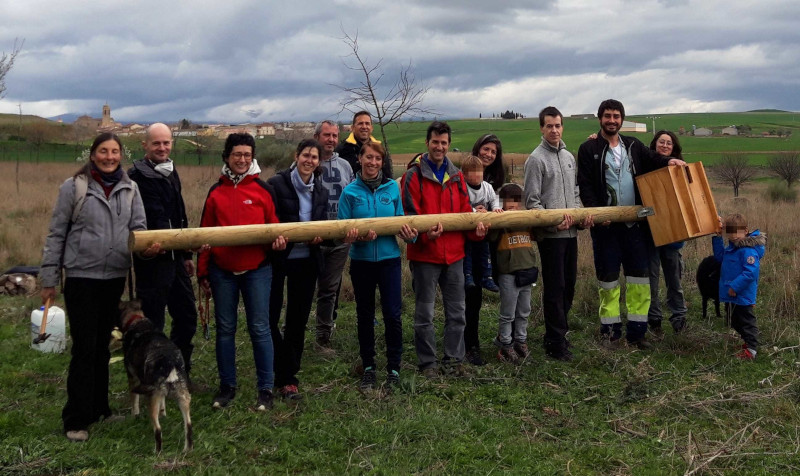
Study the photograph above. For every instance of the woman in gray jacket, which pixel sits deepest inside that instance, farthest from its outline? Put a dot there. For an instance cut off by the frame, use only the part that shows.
(94, 213)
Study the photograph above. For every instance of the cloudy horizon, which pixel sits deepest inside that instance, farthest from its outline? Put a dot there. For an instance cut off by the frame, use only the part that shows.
(249, 61)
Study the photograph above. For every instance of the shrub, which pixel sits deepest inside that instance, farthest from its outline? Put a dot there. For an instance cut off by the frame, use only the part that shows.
(779, 192)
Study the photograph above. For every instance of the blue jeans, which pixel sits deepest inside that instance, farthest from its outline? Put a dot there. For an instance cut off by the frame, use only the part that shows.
(254, 287)
(477, 250)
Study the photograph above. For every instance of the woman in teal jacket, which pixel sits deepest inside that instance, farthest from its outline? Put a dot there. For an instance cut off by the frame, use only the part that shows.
(375, 262)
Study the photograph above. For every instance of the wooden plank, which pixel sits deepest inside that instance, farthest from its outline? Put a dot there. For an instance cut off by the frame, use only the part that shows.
(191, 238)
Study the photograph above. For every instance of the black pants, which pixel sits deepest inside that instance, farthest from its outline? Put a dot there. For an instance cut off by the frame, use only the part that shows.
(384, 275)
(559, 257)
(473, 300)
(743, 321)
(92, 310)
(300, 276)
(164, 284)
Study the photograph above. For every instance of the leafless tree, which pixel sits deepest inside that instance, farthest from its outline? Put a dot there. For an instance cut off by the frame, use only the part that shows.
(785, 165)
(403, 98)
(7, 62)
(734, 169)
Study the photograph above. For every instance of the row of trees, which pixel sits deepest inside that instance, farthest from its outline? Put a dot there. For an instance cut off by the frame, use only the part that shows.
(735, 169)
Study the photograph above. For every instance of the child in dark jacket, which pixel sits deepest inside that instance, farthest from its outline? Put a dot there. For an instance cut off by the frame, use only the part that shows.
(738, 283)
(516, 270)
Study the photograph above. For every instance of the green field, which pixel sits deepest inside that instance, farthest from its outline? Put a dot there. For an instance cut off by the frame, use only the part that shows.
(518, 136)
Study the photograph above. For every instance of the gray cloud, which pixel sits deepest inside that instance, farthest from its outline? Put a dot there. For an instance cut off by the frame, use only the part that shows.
(208, 60)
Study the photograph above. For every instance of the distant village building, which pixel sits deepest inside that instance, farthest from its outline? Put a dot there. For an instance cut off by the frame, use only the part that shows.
(703, 132)
(582, 116)
(105, 124)
(730, 131)
(265, 129)
(630, 126)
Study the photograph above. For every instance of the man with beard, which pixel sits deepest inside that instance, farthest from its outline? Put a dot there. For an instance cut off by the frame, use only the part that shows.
(607, 166)
(336, 175)
(165, 280)
(361, 132)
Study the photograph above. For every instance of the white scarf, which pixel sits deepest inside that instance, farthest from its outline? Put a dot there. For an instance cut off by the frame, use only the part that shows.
(164, 168)
(253, 170)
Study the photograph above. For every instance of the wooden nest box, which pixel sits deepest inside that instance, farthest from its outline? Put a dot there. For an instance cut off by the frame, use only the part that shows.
(682, 201)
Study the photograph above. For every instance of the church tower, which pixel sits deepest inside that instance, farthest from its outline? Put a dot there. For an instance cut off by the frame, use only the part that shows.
(106, 121)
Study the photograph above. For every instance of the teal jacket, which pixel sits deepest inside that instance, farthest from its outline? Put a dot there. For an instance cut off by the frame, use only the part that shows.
(358, 201)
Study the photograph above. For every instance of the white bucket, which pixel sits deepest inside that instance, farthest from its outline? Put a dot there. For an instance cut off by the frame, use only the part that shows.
(56, 327)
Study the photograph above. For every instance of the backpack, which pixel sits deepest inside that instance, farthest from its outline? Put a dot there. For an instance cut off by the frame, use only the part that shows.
(81, 188)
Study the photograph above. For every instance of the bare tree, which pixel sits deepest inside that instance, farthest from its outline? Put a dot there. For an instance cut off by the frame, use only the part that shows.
(403, 98)
(734, 169)
(7, 62)
(785, 165)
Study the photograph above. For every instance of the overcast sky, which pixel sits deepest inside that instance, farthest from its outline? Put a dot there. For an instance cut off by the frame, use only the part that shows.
(263, 60)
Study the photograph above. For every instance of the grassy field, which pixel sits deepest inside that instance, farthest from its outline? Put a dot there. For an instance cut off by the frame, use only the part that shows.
(688, 407)
(518, 137)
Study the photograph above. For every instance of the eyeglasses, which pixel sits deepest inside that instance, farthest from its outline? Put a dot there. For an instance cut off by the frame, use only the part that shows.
(664, 142)
(242, 155)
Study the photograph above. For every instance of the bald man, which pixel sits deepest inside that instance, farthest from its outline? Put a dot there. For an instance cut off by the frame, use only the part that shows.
(165, 280)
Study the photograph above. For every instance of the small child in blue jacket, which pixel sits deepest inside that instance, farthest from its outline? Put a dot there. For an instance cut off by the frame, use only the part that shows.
(738, 282)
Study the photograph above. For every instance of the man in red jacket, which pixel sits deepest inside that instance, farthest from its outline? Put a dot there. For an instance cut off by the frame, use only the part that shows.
(431, 185)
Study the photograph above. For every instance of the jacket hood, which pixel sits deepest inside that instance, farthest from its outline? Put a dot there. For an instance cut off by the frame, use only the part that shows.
(756, 240)
(146, 170)
(351, 139)
(450, 173)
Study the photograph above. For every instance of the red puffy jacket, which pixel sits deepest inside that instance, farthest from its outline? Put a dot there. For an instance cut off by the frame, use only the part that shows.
(247, 203)
(423, 194)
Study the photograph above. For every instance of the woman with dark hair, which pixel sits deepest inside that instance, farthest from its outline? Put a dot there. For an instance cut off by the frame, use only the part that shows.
(299, 196)
(240, 197)
(375, 262)
(489, 149)
(95, 211)
(667, 257)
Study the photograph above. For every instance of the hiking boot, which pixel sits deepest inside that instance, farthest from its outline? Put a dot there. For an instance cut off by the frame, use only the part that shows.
(473, 356)
(657, 331)
(679, 326)
(488, 284)
(507, 354)
(454, 369)
(368, 379)
(323, 345)
(265, 400)
(392, 380)
(78, 436)
(224, 397)
(641, 344)
(611, 343)
(290, 392)
(469, 282)
(563, 356)
(431, 373)
(746, 354)
(521, 349)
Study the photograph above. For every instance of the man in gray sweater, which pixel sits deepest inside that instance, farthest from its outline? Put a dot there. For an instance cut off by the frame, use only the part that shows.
(550, 182)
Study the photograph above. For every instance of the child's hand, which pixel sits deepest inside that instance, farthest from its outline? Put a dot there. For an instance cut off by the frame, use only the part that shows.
(719, 230)
(731, 292)
(498, 210)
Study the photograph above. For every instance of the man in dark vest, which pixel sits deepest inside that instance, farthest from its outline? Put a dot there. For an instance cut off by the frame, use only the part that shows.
(360, 132)
(165, 280)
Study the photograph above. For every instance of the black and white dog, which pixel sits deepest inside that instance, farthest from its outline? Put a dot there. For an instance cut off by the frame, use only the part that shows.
(155, 368)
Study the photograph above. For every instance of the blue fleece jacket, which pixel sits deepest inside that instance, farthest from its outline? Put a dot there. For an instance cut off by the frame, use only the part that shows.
(359, 201)
(740, 267)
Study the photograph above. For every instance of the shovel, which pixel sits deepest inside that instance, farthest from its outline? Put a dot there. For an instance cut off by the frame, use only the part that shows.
(42, 336)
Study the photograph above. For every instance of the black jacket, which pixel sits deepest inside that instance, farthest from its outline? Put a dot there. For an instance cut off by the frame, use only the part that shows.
(163, 202)
(287, 206)
(349, 152)
(592, 165)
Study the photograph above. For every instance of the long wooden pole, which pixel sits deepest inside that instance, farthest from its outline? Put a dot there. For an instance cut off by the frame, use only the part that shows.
(189, 238)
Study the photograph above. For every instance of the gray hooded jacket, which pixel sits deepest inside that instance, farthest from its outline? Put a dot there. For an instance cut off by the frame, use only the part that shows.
(96, 245)
(551, 182)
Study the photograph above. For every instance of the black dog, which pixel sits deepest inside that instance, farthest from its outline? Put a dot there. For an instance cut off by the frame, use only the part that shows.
(708, 282)
(155, 368)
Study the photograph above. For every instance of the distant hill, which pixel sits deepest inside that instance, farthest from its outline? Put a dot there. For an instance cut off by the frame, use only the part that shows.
(13, 119)
(68, 118)
(768, 110)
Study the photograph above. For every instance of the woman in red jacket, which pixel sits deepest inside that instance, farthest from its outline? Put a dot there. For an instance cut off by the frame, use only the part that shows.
(240, 198)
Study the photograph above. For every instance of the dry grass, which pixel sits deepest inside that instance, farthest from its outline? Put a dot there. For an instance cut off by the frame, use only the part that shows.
(25, 218)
